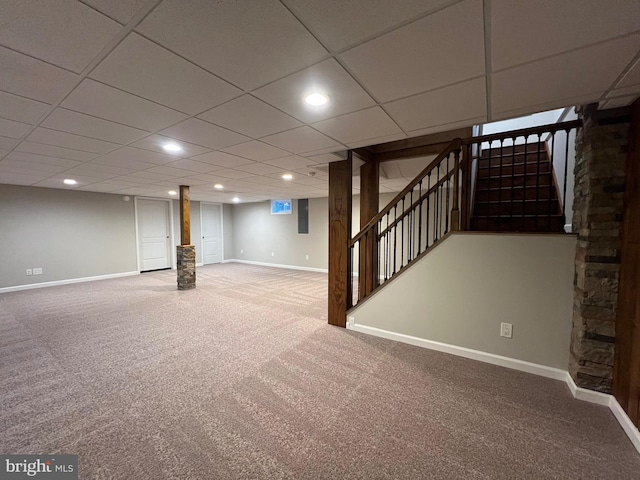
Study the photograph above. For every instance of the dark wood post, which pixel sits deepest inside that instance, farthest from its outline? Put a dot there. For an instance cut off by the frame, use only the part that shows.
(369, 203)
(185, 215)
(339, 237)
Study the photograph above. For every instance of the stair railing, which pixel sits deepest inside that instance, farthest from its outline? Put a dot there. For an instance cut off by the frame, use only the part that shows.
(439, 200)
(520, 189)
(425, 211)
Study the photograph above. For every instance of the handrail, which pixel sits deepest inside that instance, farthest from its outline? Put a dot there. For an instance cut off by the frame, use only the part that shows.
(448, 150)
(431, 206)
(524, 132)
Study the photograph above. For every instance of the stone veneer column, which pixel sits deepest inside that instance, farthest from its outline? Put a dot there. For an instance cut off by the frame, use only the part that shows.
(601, 151)
(186, 265)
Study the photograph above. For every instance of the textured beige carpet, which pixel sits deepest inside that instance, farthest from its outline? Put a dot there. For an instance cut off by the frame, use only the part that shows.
(243, 378)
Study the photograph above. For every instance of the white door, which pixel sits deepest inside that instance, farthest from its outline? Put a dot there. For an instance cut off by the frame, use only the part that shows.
(211, 233)
(153, 235)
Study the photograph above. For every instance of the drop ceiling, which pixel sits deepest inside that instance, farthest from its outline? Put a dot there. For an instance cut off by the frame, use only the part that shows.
(93, 89)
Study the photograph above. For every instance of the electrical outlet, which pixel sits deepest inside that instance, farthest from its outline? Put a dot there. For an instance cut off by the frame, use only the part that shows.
(29, 272)
(506, 330)
(37, 271)
(307, 257)
(241, 251)
(273, 254)
(351, 320)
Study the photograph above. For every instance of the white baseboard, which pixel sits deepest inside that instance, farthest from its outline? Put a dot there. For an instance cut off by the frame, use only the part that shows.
(66, 282)
(579, 393)
(625, 422)
(507, 362)
(277, 265)
(199, 265)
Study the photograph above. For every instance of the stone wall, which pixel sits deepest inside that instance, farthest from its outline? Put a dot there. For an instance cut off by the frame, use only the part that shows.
(186, 265)
(601, 151)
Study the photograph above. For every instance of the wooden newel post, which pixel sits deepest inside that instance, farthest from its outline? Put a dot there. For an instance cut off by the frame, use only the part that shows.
(185, 252)
(339, 237)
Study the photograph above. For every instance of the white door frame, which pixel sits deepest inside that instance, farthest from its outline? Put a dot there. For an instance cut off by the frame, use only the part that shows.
(172, 249)
(221, 206)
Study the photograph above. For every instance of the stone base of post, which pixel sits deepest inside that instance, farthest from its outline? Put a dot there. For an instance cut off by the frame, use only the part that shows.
(186, 256)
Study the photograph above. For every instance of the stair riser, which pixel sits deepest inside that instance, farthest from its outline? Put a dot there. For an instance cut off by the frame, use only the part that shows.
(515, 208)
(539, 224)
(507, 194)
(531, 168)
(530, 180)
(494, 159)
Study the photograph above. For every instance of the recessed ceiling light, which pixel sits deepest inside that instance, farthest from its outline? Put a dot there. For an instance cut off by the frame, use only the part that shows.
(70, 181)
(316, 99)
(287, 176)
(172, 147)
(218, 186)
(236, 199)
(172, 192)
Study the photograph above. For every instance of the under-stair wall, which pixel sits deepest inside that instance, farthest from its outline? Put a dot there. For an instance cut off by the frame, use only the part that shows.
(469, 284)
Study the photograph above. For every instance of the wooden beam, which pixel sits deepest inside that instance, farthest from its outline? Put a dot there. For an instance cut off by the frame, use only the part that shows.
(626, 366)
(185, 215)
(413, 152)
(369, 205)
(340, 201)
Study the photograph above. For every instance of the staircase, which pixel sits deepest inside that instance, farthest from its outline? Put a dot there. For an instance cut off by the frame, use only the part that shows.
(502, 182)
(516, 191)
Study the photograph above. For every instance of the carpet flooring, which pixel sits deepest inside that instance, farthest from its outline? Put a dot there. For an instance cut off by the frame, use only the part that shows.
(242, 378)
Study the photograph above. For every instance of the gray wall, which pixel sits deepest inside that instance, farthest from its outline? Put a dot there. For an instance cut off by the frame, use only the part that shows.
(228, 236)
(258, 234)
(461, 292)
(69, 234)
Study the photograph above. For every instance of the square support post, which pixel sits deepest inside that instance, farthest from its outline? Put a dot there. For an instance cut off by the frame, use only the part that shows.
(340, 201)
(369, 204)
(185, 252)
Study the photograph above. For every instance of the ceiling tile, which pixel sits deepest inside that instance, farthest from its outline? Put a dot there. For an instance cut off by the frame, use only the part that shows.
(255, 150)
(111, 104)
(7, 143)
(632, 77)
(102, 187)
(68, 140)
(155, 143)
(54, 151)
(413, 57)
(550, 83)
(222, 159)
(122, 10)
(97, 169)
(32, 78)
(20, 179)
(376, 140)
(83, 173)
(127, 157)
(138, 155)
(174, 172)
(12, 163)
(69, 35)
(11, 129)
(88, 126)
(291, 162)
(143, 68)
(618, 92)
(369, 123)
(42, 159)
(259, 169)
(194, 166)
(523, 30)
(619, 101)
(145, 176)
(56, 181)
(251, 117)
(204, 133)
(340, 24)
(439, 107)
(327, 77)
(231, 173)
(326, 158)
(269, 40)
(299, 140)
(21, 109)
